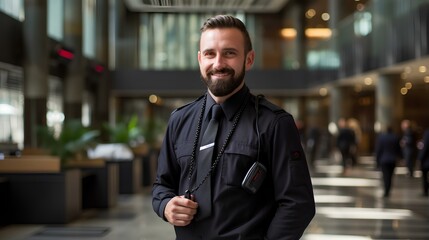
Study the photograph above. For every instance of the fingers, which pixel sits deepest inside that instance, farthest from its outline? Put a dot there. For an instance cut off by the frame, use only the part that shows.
(180, 211)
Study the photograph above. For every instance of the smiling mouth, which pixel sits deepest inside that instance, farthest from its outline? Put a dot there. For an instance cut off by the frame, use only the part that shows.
(221, 73)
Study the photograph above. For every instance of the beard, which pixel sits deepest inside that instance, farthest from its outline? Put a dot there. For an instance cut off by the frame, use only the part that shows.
(223, 87)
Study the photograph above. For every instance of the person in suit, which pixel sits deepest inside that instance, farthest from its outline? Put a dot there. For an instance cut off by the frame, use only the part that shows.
(388, 152)
(346, 140)
(409, 146)
(424, 161)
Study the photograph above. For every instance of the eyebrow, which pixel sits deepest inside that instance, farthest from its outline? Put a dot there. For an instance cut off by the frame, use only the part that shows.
(223, 50)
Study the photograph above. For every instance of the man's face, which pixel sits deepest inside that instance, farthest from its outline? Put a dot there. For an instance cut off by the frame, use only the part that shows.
(223, 61)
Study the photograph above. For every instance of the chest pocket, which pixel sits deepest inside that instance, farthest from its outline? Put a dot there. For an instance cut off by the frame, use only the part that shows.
(237, 160)
(183, 151)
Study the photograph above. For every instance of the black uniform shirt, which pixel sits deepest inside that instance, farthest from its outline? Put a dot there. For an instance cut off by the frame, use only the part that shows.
(284, 205)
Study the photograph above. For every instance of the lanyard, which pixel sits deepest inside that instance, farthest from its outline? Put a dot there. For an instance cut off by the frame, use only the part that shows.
(190, 190)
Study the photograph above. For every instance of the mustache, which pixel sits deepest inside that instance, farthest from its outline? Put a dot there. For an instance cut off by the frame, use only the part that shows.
(221, 71)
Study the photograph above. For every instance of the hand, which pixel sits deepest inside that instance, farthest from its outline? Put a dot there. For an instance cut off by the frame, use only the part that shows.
(180, 211)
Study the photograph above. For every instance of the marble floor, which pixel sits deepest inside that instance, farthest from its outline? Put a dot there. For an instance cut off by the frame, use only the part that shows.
(349, 207)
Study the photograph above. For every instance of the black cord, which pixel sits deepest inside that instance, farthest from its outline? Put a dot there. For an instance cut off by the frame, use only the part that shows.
(257, 125)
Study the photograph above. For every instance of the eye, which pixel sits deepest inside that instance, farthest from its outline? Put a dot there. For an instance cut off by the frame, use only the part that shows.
(230, 53)
(209, 54)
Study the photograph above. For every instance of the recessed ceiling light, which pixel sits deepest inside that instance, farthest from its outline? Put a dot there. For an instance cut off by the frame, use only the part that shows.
(325, 16)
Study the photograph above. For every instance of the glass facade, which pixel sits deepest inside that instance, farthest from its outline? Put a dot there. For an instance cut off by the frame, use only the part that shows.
(56, 19)
(170, 41)
(55, 113)
(14, 8)
(11, 104)
(89, 26)
(379, 35)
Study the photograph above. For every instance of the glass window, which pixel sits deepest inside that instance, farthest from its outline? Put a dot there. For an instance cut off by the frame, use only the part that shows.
(89, 25)
(11, 105)
(363, 23)
(14, 8)
(170, 41)
(56, 19)
(55, 114)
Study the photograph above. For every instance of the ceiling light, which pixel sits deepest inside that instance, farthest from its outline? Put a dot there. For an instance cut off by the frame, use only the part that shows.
(323, 92)
(427, 79)
(422, 69)
(310, 13)
(318, 32)
(404, 91)
(288, 32)
(408, 85)
(325, 16)
(368, 81)
(153, 98)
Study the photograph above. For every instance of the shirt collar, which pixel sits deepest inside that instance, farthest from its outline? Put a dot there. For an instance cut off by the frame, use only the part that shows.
(231, 105)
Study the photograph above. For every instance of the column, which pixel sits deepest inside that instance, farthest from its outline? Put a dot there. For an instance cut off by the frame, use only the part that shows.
(75, 78)
(297, 14)
(127, 50)
(36, 69)
(389, 106)
(341, 103)
(101, 110)
(334, 13)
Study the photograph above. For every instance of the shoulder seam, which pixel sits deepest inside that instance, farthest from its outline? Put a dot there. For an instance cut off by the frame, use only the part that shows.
(181, 107)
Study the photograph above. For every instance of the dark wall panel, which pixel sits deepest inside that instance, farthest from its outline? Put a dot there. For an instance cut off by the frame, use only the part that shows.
(11, 45)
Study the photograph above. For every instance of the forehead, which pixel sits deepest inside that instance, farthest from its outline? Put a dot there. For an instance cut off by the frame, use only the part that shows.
(222, 38)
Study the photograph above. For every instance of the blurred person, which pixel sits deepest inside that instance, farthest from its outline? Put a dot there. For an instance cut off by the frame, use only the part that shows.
(346, 141)
(283, 204)
(387, 153)
(301, 129)
(424, 161)
(353, 124)
(312, 144)
(409, 146)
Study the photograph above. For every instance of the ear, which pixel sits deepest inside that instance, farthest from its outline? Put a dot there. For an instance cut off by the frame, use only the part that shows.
(250, 58)
(199, 57)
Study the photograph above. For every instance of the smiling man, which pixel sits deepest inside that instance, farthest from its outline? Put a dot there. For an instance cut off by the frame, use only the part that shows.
(256, 185)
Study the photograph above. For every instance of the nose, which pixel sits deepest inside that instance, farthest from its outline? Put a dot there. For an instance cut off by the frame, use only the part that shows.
(219, 62)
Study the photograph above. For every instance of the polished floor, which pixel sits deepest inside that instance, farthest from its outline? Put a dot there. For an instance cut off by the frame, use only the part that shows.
(349, 207)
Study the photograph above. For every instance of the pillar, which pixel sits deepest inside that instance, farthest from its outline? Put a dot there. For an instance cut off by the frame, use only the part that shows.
(341, 103)
(389, 106)
(36, 69)
(297, 15)
(101, 110)
(75, 77)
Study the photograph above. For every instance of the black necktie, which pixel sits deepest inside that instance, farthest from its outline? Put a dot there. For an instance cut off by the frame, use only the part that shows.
(205, 157)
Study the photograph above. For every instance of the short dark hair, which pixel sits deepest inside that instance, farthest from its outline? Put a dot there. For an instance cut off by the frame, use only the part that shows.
(226, 21)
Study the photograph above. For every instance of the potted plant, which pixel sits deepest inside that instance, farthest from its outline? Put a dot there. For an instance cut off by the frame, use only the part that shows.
(71, 143)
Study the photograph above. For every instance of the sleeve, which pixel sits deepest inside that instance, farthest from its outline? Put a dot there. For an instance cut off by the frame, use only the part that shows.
(425, 150)
(378, 151)
(292, 183)
(165, 186)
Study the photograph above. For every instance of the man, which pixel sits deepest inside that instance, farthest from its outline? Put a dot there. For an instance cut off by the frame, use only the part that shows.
(346, 140)
(424, 161)
(387, 153)
(283, 205)
(409, 146)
